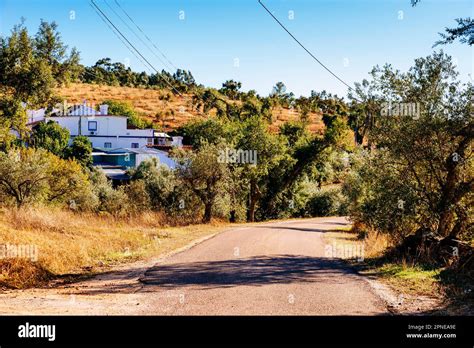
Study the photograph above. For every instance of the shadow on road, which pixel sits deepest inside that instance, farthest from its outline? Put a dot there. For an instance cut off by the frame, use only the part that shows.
(259, 270)
(253, 271)
(303, 229)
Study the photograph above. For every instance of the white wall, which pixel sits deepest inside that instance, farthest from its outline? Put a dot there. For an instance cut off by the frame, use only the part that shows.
(161, 156)
(164, 159)
(177, 141)
(112, 129)
(117, 141)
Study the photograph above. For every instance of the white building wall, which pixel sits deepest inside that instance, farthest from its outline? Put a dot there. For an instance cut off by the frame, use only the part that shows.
(177, 141)
(118, 142)
(161, 156)
(164, 159)
(109, 129)
(69, 122)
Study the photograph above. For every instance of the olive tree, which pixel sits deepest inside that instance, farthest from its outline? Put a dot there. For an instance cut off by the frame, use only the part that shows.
(423, 157)
(204, 174)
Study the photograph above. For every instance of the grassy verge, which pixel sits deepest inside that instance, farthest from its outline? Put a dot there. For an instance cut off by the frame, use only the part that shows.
(407, 278)
(55, 243)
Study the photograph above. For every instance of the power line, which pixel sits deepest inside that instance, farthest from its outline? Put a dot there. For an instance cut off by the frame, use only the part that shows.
(138, 36)
(136, 50)
(299, 43)
(121, 40)
(146, 36)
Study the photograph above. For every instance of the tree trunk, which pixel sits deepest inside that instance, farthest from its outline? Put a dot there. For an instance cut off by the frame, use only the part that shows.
(251, 217)
(254, 197)
(232, 216)
(207, 213)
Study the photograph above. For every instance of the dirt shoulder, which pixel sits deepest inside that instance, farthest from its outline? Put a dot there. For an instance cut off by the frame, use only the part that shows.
(407, 289)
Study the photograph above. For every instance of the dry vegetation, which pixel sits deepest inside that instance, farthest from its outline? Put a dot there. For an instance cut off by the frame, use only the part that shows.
(72, 243)
(418, 282)
(173, 110)
(402, 276)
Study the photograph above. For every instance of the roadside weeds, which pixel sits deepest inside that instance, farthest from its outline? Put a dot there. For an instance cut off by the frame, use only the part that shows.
(72, 247)
(407, 288)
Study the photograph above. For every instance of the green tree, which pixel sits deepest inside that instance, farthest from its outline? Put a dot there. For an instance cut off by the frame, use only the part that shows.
(50, 136)
(464, 31)
(30, 69)
(67, 183)
(160, 182)
(29, 175)
(231, 88)
(269, 151)
(23, 175)
(210, 131)
(294, 132)
(423, 161)
(80, 150)
(281, 96)
(50, 48)
(205, 175)
(22, 74)
(12, 119)
(121, 108)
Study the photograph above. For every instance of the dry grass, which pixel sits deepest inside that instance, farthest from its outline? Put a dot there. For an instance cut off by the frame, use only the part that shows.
(401, 275)
(174, 110)
(22, 273)
(148, 102)
(71, 243)
(374, 244)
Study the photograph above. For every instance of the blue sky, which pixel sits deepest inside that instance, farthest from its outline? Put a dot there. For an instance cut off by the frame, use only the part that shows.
(349, 36)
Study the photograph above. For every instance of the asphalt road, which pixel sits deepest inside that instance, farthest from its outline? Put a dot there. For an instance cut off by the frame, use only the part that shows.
(274, 268)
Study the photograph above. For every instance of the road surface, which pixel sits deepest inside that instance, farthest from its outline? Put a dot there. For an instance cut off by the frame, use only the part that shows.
(277, 268)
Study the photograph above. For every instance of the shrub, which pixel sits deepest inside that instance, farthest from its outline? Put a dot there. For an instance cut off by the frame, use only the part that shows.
(50, 136)
(164, 192)
(326, 203)
(109, 199)
(36, 175)
(158, 180)
(378, 198)
(138, 197)
(80, 150)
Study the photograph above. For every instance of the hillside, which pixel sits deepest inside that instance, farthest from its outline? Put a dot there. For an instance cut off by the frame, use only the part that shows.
(173, 110)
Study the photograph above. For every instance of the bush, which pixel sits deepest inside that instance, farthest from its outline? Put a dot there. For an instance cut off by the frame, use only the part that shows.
(326, 203)
(378, 198)
(109, 200)
(163, 191)
(50, 136)
(37, 176)
(80, 150)
(158, 180)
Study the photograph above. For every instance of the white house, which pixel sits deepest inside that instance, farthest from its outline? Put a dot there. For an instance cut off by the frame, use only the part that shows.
(103, 130)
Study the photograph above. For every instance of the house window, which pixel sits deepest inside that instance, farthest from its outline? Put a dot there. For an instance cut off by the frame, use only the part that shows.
(134, 145)
(92, 126)
(149, 141)
(108, 145)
